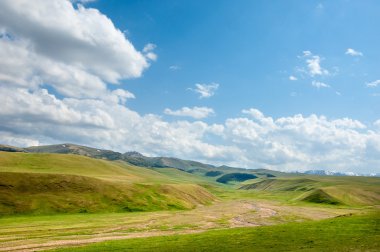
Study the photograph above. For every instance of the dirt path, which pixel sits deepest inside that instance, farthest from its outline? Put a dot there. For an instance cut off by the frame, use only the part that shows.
(238, 213)
(78, 242)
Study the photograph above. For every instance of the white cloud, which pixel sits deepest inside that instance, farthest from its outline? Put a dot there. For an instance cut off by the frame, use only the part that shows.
(83, 1)
(352, 52)
(195, 112)
(286, 143)
(292, 78)
(205, 90)
(314, 66)
(174, 67)
(373, 83)
(307, 53)
(319, 84)
(148, 51)
(81, 39)
(377, 124)
(299, 142)
(149, 47)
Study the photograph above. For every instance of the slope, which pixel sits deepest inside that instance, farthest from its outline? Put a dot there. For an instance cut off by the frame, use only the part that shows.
(42, 183)
(355, 191)
(138, 159)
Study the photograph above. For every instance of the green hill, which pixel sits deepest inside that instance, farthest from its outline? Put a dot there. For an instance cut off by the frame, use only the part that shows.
(137, 159)
(42, 183)
(322, 189)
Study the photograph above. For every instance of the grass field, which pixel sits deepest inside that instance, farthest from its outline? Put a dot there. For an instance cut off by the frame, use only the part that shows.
(71, 202)
(348, 233)
(30, 233)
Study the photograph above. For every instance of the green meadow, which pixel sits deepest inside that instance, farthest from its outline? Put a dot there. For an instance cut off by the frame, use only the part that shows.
(67, 202)
(347, 233)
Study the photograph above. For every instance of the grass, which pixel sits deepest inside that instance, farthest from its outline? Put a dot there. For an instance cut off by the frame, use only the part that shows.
(351, 191)
(33, 193)
(348, 233)
(40, 183)
(39, 231)
(48, 198)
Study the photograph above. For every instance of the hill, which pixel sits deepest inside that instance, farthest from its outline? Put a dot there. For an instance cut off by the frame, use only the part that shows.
(320, 189)
(41, 183)
(137, 159)
(132, 157)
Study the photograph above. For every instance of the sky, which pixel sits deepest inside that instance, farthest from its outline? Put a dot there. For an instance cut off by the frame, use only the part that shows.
(285, 85)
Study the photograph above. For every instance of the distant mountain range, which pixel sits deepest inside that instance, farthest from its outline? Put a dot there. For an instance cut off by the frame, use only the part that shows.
(334, 173)
(136, 158)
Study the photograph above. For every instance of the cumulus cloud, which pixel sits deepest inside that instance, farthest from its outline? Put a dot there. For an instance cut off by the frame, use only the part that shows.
(253, 140)
(205, 90)
(353, 52)
(373, 84)
(81, 41)
(292, 78)
(195, 112)
(319, 84)
(313, 65)
(299, 141)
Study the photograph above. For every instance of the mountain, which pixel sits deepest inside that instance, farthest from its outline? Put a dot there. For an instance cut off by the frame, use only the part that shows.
(132, 157)
(222, 174)
(68, 148)
(9, 148)
(333, 173)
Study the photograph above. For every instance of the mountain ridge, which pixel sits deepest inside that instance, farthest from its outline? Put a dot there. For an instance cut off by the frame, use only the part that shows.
(138, 159)
(132, 157)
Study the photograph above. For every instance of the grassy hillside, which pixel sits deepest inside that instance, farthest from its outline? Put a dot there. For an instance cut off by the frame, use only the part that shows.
(347, 233)
(85, 166)
(323, 189)
(137, 159)
(41, 183)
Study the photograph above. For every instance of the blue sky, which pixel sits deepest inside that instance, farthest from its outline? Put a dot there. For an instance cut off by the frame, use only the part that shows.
(250, 48)
(284, 85)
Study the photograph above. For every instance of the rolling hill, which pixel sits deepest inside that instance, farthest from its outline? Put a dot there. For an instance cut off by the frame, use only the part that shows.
(137, 159)
(358, 191)
(41, 183)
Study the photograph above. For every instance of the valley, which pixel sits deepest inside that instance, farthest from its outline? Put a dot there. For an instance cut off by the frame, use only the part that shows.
(52, 200)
